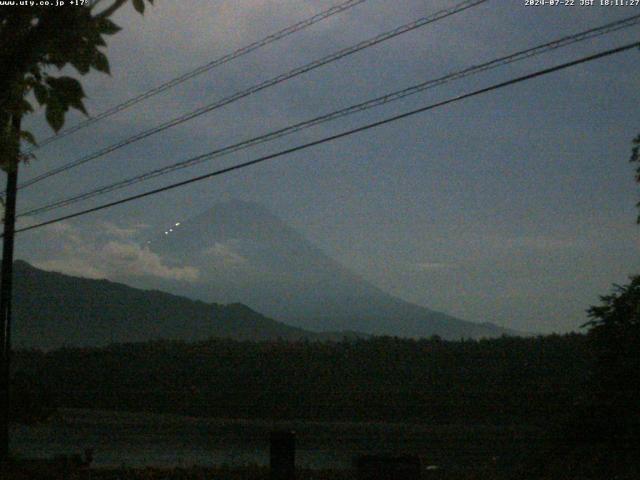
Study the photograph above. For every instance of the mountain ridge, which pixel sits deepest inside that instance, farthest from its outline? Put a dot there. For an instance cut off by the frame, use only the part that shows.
(52, 310)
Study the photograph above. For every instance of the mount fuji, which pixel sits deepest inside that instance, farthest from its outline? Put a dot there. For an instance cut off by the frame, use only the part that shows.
(246, 254)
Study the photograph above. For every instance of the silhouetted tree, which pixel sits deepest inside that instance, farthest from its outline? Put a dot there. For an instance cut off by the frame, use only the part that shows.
(35, 40)
(615, 340)
(635, 158)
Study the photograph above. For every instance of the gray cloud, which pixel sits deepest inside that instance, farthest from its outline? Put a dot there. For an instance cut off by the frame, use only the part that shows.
(129, 259)
(105, 254)
(123, 232)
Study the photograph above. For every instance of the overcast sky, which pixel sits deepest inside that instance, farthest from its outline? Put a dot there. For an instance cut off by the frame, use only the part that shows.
(515, 207)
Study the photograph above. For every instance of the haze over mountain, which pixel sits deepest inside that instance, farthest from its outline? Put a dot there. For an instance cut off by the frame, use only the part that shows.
(53, 310)
(244, 253)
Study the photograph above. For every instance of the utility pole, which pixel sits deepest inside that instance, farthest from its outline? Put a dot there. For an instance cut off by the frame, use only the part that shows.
(6, 277)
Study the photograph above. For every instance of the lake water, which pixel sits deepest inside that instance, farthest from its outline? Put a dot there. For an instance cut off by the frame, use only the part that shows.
(137, 440)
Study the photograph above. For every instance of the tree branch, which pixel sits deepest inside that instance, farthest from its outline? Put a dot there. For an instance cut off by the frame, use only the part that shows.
(112, 9)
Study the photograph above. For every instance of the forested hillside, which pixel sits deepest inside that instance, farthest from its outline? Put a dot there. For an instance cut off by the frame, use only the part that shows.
(53, 310)
(499, 380)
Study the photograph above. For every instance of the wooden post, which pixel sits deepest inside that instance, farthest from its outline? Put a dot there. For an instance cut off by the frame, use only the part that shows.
(6, 277)
(283, 455)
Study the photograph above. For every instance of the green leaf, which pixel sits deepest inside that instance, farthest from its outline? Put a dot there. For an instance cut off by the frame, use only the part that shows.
(57, 59)
(67, 88)
(55, 113)
(107, 27)
(35, 71)
(82, 58)
(67, 92)
(95, 38)
(28, 137)
(139, 6)
(101, 63)
(41, 93)
(78, 105)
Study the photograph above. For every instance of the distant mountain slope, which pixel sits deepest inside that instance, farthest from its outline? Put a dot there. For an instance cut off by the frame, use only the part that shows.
(245, 253)
(52, 309)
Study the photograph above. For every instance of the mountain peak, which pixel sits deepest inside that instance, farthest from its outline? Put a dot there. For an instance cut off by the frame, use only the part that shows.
(246, 254)
(238, 208)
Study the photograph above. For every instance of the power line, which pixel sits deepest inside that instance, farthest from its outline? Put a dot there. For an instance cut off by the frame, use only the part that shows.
(387, 98)
(261, 86)
(346, 133)
(256, 88)
(202, 69)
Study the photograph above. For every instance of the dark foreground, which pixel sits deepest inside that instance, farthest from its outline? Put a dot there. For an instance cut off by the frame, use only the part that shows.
(589, 463)
(248, 473)
(558, 407)
(263, 474)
